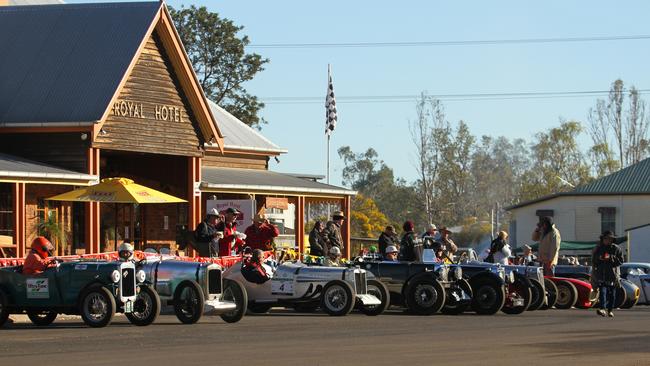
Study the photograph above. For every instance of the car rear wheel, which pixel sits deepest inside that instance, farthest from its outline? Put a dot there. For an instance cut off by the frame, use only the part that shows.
(489, 296)
(537, 295)
(567, 295)
(4, 312)
(551, 294)
(146, 307)
(235, 292)
(338, 298)
(454, 306)
(380, 291)
(517, 290)
(42, 318)
(189, 302)
(97, 307)
(425, 296)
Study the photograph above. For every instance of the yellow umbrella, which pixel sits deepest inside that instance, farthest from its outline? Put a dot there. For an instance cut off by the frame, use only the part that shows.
(117, 190)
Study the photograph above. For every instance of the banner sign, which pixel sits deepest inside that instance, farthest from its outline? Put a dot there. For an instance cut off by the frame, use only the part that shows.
(38, 288)
(245, 207)
(281, 203)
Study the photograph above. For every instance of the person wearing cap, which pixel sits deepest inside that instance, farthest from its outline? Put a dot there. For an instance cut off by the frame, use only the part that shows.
(332, 232)
(407, 245)
(232, 240)
(528, 257)
(260, 234)
(333, 258)
(391, 254)
(432, 232)
(549, 240)
(387, 238)
(607, 257)
(449, 247)
(206, 235)
(37, 261)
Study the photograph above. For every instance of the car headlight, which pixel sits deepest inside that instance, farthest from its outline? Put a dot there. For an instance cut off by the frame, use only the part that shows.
(140, 276)
(115, 276)
(458, 273)
(511, 277)
(502, 273)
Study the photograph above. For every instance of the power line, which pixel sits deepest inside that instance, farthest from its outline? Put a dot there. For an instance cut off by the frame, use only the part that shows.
(454, 43)
(363, 99)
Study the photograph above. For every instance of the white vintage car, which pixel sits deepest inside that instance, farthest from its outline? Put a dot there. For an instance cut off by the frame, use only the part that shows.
(638, 274)
(336, 290)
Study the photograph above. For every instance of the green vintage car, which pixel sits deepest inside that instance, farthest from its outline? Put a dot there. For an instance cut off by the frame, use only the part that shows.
(96, 290)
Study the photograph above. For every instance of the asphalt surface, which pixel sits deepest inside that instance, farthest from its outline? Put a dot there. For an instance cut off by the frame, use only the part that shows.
(560, 337)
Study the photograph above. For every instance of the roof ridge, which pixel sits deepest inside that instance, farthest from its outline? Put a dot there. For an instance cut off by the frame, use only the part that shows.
(625, 174)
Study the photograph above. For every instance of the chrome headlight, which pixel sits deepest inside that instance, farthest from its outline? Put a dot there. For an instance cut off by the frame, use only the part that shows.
(501, 273)
(140, 276)
(511, 277)
(115, 276)
(458, 273)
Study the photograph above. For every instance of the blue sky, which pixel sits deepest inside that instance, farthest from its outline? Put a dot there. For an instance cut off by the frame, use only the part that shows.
(437, 70)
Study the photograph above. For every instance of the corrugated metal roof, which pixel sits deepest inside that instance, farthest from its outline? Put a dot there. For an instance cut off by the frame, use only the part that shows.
(238, 135)
(34, 2)
(264, 180)
(633, 179)
(63, 63)
(18, 167)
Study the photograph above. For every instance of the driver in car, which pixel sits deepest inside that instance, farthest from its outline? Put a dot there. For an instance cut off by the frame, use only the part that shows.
(391, 254)
(125, 252)
(37, 261)
(252, 268)
(333, 258)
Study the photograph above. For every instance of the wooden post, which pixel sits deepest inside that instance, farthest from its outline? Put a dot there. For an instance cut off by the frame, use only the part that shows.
(193, 199)
(92, 208)
(345, 230)
(19, 219)
(300, 224)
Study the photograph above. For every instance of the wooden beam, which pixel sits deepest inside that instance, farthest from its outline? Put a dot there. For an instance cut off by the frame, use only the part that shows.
(345, 229)
(19, 219)
(92, 208)
(300, 224)
(87, 129)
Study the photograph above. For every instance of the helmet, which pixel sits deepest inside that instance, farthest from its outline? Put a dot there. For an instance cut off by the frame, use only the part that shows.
(391, 249)
(42, 246)
(125, 251)
(335, 251)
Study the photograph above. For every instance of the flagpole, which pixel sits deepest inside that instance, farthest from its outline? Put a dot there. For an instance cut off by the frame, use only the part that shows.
(329, 73)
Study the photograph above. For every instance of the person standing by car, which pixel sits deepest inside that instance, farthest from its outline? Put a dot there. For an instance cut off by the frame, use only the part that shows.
(232, 240)
(450, 248)
(206, 235)
(500, 249)
(549, 240)
(387, 238)
(407, 245)
(37, 261)
(261, 233)
(333, 236)
(607, 258)
(432, 232)
(317, 244)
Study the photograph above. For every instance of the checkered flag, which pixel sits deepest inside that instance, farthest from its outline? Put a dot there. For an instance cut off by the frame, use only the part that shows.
(330, 105)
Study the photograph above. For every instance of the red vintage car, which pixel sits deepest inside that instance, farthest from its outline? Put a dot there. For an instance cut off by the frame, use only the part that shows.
(573, 292)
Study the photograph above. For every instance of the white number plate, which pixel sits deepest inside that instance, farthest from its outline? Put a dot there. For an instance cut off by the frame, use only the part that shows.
(128, 307)
(282, 287)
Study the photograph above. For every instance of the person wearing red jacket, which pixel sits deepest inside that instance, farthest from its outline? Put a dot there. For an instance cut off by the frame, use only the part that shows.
(261, 233)
(232, 241)
(37, 261)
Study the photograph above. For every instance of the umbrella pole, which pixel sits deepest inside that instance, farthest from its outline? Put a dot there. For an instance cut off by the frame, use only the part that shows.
(115, 231)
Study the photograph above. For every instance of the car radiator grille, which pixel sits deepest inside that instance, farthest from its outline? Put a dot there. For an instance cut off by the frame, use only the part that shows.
(128, 282)
(360, 282)
(214, 281)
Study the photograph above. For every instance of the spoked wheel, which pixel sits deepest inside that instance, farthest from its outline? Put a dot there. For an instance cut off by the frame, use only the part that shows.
(234, 292)
(146, 307)
(189, 302)
(4, 312)
(551, 294)
(379, 290)
(338, 298)
(537, 295)
(521, 290)
(425, 296)
(97, 307)
(567, 295)
(453, 306)
(42, 318)
(489, 296)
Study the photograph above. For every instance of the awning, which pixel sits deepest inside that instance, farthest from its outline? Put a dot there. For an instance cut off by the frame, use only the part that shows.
(264, 181)
(17, 169)
(567, 245)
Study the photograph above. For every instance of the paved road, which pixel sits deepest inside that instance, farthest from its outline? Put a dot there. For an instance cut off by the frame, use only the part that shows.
(561, 337)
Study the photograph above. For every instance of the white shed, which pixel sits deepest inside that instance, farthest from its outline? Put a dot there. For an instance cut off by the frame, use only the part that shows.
(638, 244)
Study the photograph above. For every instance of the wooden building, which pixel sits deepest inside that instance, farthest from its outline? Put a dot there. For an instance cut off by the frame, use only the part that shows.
(91, 91)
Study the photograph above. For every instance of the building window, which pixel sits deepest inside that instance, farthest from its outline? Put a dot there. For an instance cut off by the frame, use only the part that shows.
(6, 210)
(607, 219)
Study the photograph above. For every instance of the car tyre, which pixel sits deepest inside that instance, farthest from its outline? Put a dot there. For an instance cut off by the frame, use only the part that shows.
(189, 302)
(567, 295)
(489, 296)
(4, 311)
(97, 307)
(146, 308)
(338, 298)
(425, 296)
(379, 290)
(522, 289)
(235, 292)
(42, 318)
(456, 307)
(551, 294)
(537, 295)
(632, 302)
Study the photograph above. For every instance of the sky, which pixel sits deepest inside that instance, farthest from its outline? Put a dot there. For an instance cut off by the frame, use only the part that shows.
(437, 70)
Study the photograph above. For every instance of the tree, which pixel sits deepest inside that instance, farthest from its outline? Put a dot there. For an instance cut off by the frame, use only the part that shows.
(366, 220)
(218, 55)
(613, 126)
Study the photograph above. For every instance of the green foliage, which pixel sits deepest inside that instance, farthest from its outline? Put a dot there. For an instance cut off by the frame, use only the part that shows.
(217, 52)
(54, 231)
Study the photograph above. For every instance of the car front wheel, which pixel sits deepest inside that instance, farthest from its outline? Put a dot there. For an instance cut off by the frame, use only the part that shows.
(567, 295)
(380, 291)
(551, 294)
(189, 302)
(4, 312)
(146, 308)
(97, 307)
(454, 306)
(338, 298)
(489, 296)
(521, 291)
(235, 292)
(425, 296)
(538, 294)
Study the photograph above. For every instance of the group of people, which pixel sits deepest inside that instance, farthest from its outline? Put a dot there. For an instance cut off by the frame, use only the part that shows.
(325, 240)
(407, 248)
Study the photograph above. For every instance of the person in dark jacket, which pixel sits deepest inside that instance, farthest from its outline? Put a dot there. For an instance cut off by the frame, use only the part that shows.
(388, 238)
(407, 245)
(607, 258)
(317, 244)
(206, 235)
(332, 231)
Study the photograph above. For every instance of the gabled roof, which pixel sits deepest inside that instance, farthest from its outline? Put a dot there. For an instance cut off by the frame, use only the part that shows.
(63, 63)
(239, 136)
(633, 180)
(14, 168)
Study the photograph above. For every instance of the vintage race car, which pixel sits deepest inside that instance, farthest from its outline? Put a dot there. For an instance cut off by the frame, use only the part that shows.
(192, 288)
(497, 288)
(423, 288)
(336, 290)
(639, 275)
(627, 294)
(542, 293)
(96, 290)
